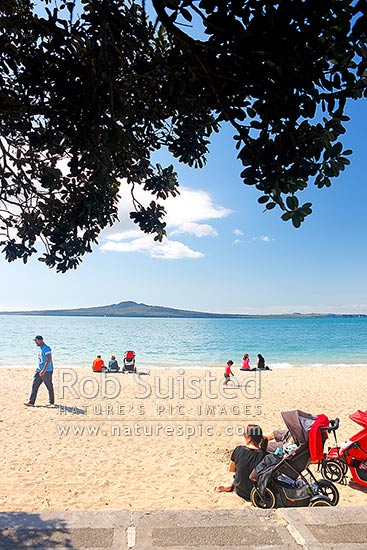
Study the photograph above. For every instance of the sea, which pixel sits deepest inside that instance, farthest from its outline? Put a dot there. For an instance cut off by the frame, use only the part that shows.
(186, 343)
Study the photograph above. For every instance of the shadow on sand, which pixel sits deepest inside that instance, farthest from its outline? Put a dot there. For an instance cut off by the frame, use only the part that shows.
(354, 485)
(63, 409)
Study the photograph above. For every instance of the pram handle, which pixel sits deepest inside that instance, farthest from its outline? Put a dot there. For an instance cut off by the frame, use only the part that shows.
(333, 426)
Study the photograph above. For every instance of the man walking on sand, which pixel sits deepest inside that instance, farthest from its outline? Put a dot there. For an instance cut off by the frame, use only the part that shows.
(43, 372)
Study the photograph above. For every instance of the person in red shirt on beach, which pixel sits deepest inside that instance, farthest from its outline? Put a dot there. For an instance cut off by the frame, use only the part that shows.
(228, 372)
(245, 362)
(98, 364)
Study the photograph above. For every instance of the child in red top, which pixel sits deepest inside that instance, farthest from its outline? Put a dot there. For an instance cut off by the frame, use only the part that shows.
(245, 362)
(228, 372)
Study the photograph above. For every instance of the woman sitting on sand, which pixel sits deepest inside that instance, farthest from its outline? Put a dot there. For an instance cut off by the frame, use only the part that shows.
(113, 365)
(245, 362)
(260, 363)
(243, 460)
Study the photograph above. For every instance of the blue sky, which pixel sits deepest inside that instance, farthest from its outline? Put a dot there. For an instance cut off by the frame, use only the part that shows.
(223, 253)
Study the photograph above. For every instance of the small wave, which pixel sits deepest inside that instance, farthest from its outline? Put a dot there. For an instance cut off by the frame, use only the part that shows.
(280, 365)
(336, 365)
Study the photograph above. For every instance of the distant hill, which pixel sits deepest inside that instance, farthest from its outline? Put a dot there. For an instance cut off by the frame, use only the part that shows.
(133, 309)
(123, 309)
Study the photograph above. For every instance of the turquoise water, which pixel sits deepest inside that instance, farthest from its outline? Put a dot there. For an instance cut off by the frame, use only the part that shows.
(75, 341)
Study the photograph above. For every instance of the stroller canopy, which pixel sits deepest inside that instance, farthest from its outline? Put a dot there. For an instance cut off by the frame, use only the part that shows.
(360, 418)
(306, 430)
(299, 424)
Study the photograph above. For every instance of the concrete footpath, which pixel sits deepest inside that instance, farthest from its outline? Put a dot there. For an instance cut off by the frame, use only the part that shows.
(286, 528)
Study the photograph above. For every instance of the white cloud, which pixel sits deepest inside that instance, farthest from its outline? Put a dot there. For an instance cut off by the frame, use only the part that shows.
(124, 235)
(192, 206)
(263, 238)
(185, 216)
(197, 229)
(166, 250)
(238, 232)
(237, 241)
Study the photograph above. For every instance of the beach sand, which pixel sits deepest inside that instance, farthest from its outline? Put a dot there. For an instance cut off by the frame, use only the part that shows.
(162, 451)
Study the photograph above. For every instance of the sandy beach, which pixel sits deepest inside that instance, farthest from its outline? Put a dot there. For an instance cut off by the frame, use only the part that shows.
(159, 442)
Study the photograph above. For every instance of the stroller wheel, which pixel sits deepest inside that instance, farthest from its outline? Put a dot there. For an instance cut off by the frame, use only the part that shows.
(333, 470)
(328, 489)
(262, 501)
(320, 501)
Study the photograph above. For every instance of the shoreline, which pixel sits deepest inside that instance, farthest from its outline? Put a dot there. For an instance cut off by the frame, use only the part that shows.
(172, 367)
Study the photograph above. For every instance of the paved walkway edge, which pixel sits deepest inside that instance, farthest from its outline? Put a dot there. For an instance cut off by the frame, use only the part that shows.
(282, 529)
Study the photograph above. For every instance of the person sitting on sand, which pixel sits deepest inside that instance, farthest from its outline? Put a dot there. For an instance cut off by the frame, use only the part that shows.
(245, 362)
(98, 364)
(228, 372)
(243, 460)
(260, 363)
(113, 365)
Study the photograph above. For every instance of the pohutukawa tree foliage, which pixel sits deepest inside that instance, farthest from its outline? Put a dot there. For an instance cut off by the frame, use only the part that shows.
(89, 90)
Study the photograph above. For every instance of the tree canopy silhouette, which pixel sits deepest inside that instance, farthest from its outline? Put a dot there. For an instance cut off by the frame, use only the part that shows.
(90, 90)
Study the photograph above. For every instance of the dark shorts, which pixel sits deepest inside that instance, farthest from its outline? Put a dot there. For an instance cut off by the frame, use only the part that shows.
(227, 376)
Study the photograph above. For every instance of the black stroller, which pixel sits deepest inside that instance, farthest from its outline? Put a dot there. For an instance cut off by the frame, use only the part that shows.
(129, 361)
(283, 477)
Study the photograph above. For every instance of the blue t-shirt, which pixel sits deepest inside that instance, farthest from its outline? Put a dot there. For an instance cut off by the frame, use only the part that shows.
(43, 351)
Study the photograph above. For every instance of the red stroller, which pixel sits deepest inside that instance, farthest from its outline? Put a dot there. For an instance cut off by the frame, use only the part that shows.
(352, 454)
(129, 361)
